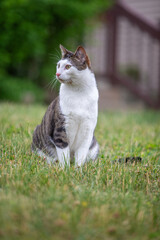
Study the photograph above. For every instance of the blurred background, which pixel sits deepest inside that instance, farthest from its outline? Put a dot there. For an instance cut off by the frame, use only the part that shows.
(122, 39)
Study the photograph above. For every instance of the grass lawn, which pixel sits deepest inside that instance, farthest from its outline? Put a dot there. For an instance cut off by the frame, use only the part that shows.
(105, 201)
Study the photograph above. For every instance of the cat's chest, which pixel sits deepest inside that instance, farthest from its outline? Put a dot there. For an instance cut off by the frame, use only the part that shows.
(80, 115)
(78, 106)
(80, 111)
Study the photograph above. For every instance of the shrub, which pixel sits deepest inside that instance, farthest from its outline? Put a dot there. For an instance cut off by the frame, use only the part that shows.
(20, 90)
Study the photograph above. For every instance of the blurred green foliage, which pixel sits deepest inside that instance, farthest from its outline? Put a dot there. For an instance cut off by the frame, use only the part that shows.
(31, 31)
(131, 70)
(20, 90)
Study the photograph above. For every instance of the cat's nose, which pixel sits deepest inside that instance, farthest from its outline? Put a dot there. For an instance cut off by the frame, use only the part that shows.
(58, 74)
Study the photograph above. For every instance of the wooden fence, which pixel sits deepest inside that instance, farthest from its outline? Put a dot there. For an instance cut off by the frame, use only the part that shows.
(140, 70)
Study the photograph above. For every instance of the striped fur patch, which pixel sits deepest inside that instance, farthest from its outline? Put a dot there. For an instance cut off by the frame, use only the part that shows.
(51, 132)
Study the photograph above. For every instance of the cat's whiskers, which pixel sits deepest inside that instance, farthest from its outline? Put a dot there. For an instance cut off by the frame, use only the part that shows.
(49, 84)
(52, 84)
(56, 56)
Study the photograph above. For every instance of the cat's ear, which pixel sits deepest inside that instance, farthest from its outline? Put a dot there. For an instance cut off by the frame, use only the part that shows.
(63, 50)
(81, 54)
(65, 53)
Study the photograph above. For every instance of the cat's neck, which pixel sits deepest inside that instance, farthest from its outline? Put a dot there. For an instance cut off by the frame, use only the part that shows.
(83, 81)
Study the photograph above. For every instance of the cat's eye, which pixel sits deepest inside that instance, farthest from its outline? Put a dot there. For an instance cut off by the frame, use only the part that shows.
(67, 67)
(58, 65)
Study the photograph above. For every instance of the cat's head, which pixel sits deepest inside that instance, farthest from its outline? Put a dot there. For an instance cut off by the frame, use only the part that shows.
(72, 64)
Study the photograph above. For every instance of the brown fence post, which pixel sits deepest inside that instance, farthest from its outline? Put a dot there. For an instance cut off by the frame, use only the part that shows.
(111, 45)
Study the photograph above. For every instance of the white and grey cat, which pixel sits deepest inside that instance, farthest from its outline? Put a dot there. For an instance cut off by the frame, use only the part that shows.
(67, 128)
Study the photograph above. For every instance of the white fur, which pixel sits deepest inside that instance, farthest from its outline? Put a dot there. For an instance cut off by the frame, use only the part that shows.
(79, 104)
(49, 159)
(63, 156)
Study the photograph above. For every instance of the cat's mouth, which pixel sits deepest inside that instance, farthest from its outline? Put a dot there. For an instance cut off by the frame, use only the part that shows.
(65, 81)
(61, 80)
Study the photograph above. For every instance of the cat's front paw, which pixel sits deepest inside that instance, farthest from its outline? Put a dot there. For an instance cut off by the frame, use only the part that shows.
(79, 164)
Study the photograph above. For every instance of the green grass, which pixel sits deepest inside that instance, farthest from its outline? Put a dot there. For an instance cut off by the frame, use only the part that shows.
(105, 201)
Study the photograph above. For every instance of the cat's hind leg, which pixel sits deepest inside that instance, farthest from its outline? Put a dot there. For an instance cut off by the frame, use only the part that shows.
(51, 158)
(93, 150)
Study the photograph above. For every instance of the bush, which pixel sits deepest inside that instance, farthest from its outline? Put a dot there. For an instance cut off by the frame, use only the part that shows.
(32, 30)
(20, 90)
(131, 70)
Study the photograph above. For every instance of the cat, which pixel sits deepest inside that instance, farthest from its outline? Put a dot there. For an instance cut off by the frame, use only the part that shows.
(67, 128)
